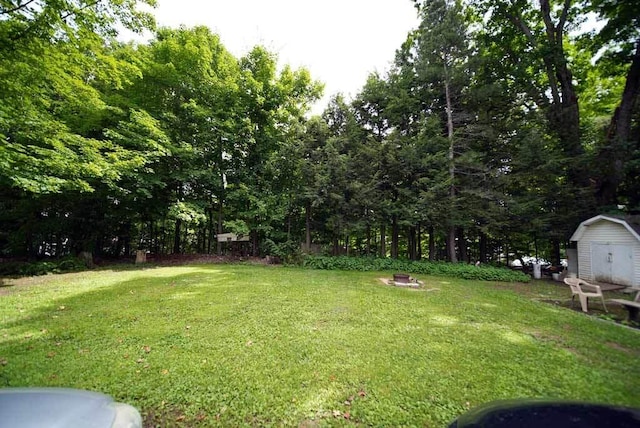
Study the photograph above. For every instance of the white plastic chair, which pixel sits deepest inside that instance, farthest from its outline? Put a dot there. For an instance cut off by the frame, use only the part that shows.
(584, 290)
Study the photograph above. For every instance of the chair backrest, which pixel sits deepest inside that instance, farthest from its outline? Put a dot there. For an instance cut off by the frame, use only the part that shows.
(574, 284)
(580, 286)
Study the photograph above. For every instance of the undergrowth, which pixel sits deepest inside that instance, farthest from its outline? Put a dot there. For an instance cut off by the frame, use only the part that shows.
(41, 267)
(453, 270)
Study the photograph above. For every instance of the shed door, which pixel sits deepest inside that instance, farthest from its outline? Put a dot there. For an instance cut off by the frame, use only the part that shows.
(612, 263)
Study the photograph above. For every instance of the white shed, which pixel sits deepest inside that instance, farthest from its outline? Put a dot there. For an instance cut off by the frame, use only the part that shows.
(232, 237)
(609, 250)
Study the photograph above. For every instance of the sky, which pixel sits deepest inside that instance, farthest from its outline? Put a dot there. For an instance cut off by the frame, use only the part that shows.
(339, 41)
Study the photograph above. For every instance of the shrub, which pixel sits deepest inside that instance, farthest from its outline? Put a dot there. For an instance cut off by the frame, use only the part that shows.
(455, 270)
(288, 251)
(24, 268)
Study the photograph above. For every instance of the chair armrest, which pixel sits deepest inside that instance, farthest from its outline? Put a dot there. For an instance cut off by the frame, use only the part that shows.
(590, 288)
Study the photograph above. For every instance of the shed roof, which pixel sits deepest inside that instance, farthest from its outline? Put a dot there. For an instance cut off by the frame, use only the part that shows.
(232, 237)
(631, 223)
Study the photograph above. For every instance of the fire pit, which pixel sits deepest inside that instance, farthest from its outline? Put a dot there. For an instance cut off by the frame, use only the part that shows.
(401, 278)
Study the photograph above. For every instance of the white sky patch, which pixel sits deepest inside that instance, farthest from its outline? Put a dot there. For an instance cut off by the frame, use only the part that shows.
(339, 41)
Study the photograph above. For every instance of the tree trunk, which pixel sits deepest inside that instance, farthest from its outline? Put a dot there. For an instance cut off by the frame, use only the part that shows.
(127, 245)
(254, 243)
(619, 135)
(451, 245)
(221, 196)
(451, 236)
(220, 225)
(163, 231)
(176, 237)
(432, 244)
(419, 243)
(555, 260)
(394, 237)
(413, 248)
(210, 229)
(483, 248)
(506, 251)
(462, 245)
(368, 241)
(307, 218)
(383, 241)
(563, 112)
(565, 115)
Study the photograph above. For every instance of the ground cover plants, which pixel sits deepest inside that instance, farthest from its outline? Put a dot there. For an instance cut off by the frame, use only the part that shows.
(438, 268)
(234, 345)
(26, 268)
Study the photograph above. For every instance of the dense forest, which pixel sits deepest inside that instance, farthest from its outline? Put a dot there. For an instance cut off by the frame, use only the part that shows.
(498, 128)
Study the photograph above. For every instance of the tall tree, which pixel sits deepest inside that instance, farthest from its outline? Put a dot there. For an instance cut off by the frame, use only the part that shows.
(442, 55)
(527, 41)
(618, 42)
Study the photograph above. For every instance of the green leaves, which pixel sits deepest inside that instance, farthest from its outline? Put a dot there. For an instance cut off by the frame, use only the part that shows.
(188, 213)
(452, 270)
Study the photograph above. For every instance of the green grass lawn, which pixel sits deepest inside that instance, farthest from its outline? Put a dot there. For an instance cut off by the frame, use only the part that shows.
(238, 345)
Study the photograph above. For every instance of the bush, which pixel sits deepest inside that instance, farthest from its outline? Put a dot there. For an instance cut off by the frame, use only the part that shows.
(288, 251)
(455, 270)
(24, 268)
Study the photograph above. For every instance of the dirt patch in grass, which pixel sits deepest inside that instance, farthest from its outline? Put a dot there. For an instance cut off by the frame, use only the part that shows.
(535, 288)
(619, 347)
(419, 286)
(614, 313)
(182, 259)
(8, 285)
(5, 289)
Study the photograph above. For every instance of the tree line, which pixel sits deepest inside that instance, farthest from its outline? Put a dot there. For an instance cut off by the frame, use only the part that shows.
(499, 126)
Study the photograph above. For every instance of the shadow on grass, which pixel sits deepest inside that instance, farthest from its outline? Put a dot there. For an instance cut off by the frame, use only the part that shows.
(100, 314)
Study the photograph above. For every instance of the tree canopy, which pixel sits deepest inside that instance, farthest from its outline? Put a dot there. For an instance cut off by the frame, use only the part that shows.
(498, 128)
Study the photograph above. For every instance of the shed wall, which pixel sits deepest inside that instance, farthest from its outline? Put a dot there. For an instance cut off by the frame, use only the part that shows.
(606, 232)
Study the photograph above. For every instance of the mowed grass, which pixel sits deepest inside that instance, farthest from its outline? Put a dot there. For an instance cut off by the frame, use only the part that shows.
(233, 345)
